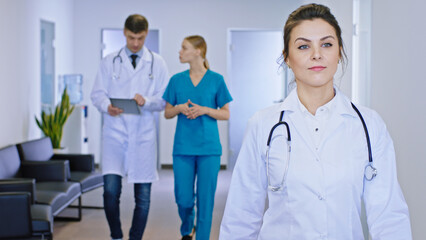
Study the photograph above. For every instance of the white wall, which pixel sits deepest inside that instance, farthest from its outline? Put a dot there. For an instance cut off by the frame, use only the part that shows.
(20, 61)
(398, 90)
(175, 19)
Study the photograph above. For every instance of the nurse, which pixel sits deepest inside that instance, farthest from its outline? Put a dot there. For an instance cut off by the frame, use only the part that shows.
(129, 143)
(199, 97)
(324, 183)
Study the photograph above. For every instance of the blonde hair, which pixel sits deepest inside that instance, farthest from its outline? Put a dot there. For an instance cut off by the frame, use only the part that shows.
(199, 43)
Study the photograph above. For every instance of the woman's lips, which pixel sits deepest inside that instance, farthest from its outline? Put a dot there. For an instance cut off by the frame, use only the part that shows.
(317, 68)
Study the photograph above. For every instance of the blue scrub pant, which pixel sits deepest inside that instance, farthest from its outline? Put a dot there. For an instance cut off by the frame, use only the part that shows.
(186, 169)
(112, 192)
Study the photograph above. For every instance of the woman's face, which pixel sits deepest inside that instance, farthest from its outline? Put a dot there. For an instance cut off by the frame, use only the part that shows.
(188, 52)
(313, 54)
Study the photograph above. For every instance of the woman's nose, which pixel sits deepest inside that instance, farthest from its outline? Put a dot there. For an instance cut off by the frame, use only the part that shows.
(316, 53)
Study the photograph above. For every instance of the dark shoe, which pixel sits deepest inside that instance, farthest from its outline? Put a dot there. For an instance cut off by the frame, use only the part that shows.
(187, 237)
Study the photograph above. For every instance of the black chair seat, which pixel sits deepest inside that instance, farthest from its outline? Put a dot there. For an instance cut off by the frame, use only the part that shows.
(57, 194)
(88, 180)
(80, 168)
(42, 219)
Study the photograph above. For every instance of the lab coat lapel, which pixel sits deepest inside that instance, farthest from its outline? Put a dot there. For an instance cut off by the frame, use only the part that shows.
(342, 107)
(126, 62)
(145, 61)
(297, 121)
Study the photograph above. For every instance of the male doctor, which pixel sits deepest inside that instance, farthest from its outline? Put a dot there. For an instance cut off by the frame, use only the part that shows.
(128, 140)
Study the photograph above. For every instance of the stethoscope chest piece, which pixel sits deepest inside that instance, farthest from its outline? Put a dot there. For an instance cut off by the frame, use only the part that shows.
(274, 189)
(370, 172)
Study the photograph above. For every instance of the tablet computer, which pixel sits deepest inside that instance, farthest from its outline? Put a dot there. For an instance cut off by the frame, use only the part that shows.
(129, 106)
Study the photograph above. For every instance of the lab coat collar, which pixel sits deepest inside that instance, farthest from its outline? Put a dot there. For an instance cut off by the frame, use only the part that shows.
(145, 59)
(342, 103)
(129, 53)
(146, 56)
(342, 106)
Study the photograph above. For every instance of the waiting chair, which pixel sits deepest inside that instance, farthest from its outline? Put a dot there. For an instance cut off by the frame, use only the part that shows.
(15, 215)
(13, 179)
(82, 166)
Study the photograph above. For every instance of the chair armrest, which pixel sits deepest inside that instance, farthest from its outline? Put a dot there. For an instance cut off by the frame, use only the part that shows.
(46, 170)
(19, 185)
(78, 162)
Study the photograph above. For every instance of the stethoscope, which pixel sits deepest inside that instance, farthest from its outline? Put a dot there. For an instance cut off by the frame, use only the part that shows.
(369, 171)
(116, 76)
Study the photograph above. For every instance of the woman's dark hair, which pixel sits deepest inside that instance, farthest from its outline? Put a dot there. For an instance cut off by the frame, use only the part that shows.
(136, 23)
(311, 12)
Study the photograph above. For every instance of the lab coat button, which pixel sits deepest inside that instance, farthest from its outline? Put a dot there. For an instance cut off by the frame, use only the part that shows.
(321, 197)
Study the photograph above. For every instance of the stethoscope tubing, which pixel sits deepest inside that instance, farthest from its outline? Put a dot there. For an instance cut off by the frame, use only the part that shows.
(118, 56)
(371, 169)
(367, 136)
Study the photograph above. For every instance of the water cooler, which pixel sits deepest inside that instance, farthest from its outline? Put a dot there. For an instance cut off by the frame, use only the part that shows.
(74, 136)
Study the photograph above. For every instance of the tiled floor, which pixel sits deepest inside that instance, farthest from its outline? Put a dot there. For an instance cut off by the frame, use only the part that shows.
(163, 220)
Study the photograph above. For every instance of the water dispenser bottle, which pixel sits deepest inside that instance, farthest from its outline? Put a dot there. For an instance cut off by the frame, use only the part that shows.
(74, 84)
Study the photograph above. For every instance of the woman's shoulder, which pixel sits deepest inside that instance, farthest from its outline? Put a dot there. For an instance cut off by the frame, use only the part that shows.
(370, 116)
(180, 75)
(267, 115)
(214, 75)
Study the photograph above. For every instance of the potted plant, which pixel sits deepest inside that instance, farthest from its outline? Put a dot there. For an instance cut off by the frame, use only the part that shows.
(52, 123)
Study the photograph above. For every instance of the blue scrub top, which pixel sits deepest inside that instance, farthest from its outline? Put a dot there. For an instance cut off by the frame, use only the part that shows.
(198, 136)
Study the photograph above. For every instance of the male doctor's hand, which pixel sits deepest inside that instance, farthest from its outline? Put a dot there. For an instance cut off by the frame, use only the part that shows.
(139, 99)
(114, 111)
(196, 110)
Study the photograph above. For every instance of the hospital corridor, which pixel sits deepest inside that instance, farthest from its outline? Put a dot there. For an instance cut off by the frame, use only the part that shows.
(310, 114)
(163, 220)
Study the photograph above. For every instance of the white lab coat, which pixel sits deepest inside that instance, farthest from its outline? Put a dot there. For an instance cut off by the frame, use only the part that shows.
(129, 142)
(324, 187)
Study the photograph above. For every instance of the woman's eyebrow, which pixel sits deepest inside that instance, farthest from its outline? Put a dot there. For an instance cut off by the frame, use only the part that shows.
(307, 40)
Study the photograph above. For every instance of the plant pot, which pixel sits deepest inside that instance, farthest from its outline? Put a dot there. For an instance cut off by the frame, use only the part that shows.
(60, 150)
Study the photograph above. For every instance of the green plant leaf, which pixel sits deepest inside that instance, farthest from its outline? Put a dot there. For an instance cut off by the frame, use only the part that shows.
(52, 124)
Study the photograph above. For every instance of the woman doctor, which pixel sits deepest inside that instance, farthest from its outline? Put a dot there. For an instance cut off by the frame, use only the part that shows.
(312, 187)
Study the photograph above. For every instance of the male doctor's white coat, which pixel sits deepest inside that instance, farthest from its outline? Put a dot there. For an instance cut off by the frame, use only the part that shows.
(129, 142)
(324, 187)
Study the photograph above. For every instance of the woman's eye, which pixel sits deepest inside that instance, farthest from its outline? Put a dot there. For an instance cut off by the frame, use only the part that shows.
(327, 45)
(302, 47)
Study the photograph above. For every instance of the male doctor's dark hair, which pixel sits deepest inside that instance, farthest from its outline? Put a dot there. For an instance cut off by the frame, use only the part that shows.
(136, 23)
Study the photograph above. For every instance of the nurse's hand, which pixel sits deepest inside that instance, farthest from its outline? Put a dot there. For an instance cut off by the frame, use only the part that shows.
(114, 111)
(139, 99)
(196, 110)
(184, 108)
